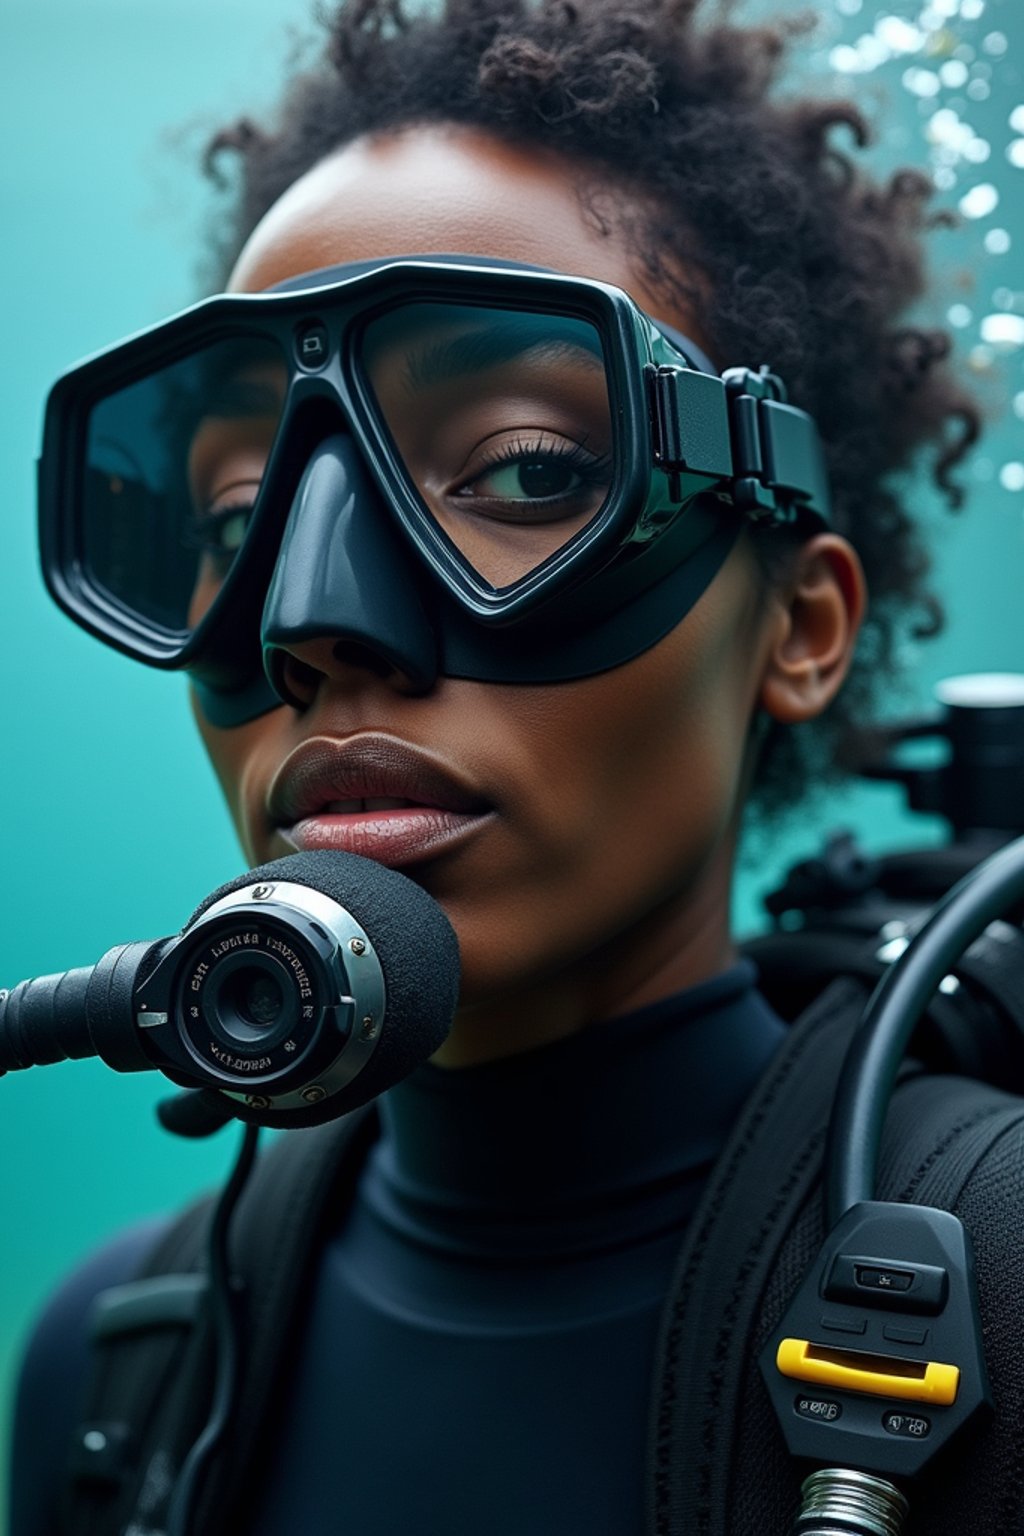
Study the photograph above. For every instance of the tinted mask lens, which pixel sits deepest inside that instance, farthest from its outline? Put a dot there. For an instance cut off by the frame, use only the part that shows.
(173, 465)
(500, 423)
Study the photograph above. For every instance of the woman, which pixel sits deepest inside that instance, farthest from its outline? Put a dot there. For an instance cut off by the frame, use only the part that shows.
(484, 1319)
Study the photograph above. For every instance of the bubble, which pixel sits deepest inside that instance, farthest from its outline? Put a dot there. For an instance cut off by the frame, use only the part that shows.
(1015, 152)
(1002, 298)
(980, 201)
(977, 151)
(980, 358)
(995, 43)
(998, 242)
(959, 315)
(1004, 332)
(1011, 476)
(845, 60)
(981, 70)
(970, 10)
(897, 35)
(945, 128)
(872, 51)
(945, 124)
(921, 82)
(1018, 404)
(944, 178)
(963, 51)
(1017, 119)
(849, 7)
(953, 74)
(979, 90)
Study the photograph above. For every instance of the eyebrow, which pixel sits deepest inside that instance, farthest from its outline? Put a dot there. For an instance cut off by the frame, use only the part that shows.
(488, 345)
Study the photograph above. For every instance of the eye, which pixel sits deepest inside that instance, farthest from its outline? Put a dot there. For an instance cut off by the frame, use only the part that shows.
(225, 530)
(542, 477)
(219, 532)
(227, 460)
(545, 479)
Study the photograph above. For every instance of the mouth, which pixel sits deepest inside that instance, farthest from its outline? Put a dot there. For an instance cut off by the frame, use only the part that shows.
(372, 795)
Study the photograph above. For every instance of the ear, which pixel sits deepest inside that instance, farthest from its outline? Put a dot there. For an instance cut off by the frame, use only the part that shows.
(820, 605)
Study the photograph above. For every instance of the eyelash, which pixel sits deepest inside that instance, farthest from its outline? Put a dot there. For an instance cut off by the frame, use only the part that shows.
(594, 470)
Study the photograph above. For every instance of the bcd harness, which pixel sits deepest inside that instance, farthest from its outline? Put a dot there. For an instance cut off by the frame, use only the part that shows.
(717, 1463)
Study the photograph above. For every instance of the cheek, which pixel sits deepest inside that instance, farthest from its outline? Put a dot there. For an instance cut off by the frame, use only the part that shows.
(621, 793)
(663, 741)
(669, 726)
(237, 755)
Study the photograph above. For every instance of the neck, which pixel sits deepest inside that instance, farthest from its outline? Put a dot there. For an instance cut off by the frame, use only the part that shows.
(584, 1139)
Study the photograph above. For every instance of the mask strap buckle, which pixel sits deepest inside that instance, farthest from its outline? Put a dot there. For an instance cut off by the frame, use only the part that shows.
(778, 462)
(765, 453)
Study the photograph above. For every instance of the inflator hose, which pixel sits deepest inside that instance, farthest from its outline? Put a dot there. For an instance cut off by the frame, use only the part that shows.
(894, 1008)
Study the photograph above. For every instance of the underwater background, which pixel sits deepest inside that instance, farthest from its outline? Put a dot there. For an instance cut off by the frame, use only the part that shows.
(113, 826)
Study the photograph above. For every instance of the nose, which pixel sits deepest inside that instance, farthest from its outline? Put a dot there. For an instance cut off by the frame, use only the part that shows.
(344, 591)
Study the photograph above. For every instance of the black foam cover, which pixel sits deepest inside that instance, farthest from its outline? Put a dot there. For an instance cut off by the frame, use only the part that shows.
(418, 953)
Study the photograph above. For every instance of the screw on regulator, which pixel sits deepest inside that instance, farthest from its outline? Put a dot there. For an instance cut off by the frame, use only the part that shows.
(836, 1500)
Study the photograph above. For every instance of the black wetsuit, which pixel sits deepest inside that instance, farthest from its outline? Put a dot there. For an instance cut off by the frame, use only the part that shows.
(481, 1335)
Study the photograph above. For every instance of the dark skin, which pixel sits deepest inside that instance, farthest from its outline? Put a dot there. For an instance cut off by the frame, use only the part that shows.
(600, 881)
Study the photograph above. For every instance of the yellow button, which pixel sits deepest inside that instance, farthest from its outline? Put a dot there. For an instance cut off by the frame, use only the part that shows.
(913, 1381)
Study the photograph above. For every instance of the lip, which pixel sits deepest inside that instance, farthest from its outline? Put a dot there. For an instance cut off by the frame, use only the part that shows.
(325, 771)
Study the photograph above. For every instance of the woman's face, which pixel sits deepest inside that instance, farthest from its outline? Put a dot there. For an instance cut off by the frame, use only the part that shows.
(591, 870)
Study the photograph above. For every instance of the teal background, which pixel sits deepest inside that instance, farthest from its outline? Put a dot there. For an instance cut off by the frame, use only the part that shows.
(113, 827)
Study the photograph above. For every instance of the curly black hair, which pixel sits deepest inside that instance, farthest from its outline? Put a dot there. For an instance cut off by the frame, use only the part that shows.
(807, 261)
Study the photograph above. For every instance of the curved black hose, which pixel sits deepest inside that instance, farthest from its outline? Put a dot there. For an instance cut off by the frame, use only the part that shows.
(899, 1000)
(226, 1331)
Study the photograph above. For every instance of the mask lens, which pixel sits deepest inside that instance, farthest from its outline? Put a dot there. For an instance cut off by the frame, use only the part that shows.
(173, 465)
(502, 423)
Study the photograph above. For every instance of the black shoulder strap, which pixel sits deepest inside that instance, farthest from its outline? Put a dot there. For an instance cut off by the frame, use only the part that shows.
(768, 1167)
(308, 1180)
(147, 1342)
(719, 1466)
(150, 1389)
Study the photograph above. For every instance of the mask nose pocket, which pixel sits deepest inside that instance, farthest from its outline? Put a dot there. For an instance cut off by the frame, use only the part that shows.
(343, 574)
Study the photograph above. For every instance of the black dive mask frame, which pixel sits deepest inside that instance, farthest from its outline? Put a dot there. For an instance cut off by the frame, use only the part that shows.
(339, 544)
